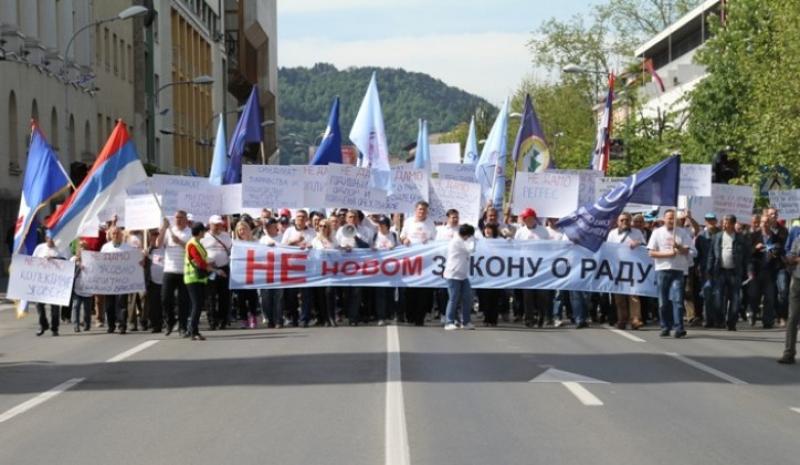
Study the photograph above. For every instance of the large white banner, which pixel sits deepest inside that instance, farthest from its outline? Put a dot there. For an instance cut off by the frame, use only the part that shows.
(409, 186)
(444, 153)
(695, 180)
(463, 196)
(725, 199)
(40, 280)
(110, 273)
(787, 202)
(348, 187)
(142, 212)
(264, 185)
(551, 194)
(457, 171)
(496, 264)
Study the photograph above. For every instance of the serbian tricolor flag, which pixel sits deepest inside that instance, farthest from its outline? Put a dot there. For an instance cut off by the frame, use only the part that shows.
(116, 168)
(648, 66)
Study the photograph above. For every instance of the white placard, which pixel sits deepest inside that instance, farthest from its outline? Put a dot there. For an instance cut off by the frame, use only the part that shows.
(695, 180)
(142, 212)
(551, 194)
(315, 179)
(586, 189)
(787, 203)
(725, 199)
(463, 196)
(604, 185)
(409, 186)
(40, 280)
(444, 153)
(264, 185)
(171, 187)
(201, 204)
(231, 195)
(457, 172)
(110, 273)
(348, 187)
(114, 206)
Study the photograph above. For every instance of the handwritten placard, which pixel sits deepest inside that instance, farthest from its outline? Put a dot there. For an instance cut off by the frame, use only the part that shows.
(462, 196)
(551, 194)
(110, 273)
(47, 281)
(787, 203)
(142, 212)
(409, 186)
(264, 185)
(457, 172)
(695, 180)
(348, 187)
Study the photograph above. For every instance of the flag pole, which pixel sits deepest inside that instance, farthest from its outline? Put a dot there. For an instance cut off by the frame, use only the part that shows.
(263, 154)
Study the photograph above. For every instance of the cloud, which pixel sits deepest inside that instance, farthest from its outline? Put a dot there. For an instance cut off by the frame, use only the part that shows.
(490, 64)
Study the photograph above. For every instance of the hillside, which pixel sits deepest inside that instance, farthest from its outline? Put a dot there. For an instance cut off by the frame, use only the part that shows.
(306, 95)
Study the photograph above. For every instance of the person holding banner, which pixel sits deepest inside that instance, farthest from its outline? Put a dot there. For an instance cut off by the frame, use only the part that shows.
(629, 309)
(246, 299)
(48, 250)
(385, 239)
(154, 278)
(196, 270)
(79, 300)
(446, 232)
(174, 239)
(300, 235)
(418, 230)
(672, 249)
(456, 272)
(491, 300)
(271, 299)
(535, 301)
(116, 306)
(217, 242)
(324, 297)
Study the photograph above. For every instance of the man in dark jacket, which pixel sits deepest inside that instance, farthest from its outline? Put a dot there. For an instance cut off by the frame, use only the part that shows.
(767, 261)
(728, 261)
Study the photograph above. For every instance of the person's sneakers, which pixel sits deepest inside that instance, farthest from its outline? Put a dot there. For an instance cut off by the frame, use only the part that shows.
(468, 326)
(664, 333)
(450, 327)
(198, 337)
(381, 323)
(55, 332)
(680, 334)
(558, 323)
(786, 360)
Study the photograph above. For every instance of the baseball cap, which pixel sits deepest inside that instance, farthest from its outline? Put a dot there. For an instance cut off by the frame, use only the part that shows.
(710, 216)
(528, 212)
(285, 212)
(215, 219)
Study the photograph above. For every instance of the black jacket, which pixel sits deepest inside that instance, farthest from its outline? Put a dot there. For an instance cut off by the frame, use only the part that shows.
(741, 255)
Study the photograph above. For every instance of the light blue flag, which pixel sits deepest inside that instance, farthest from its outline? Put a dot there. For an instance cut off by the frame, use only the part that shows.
(422, 159)
(471, 148)
(219, 164)
(490, 170)
(369, 135)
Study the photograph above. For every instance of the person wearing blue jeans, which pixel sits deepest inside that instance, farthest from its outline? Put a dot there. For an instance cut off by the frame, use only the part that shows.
(580, 301)
(728, 261)
(456, 272)
(672, 250)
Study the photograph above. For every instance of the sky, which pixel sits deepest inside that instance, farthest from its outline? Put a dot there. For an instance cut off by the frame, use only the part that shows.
(476, 45)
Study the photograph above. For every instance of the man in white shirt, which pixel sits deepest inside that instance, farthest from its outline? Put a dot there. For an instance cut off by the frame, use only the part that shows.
(629, 307)
(174, 239)
(363, 232)
(300, 235)
(418, 230)
(48, 250)
(217, 242)
(449, 229)
(116, 306)
(456, 272)
(535, 301)
(672, 249)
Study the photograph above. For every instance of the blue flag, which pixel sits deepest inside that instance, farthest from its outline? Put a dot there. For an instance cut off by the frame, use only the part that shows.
(330, 148)
(219, 164)
(422, 158)
(44, 179)
(588, 226)
(248, 130)
(530, 148)
(490, 171)
(471, 147)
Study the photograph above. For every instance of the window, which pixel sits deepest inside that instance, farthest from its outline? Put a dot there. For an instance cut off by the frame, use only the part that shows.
(114, 56)
(53, 136)
(106, 50)
(13, 130)
(156, 85)
(123, 61)
(70, 155)
(155, 27)
(99, 131)
(98, 45)
(130, 63)
(87, 135)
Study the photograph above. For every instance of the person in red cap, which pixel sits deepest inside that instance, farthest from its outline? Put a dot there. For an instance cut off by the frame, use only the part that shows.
(535, 301)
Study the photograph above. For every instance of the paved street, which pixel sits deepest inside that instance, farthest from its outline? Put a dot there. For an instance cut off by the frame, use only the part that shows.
(319, 396)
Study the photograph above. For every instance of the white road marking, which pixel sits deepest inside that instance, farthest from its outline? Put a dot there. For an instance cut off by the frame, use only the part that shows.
(706, 368)
(129, 352)
(397, 450)
(626, 335)
(41, 398)
(583, 394)
(553, 375)
(794, 409)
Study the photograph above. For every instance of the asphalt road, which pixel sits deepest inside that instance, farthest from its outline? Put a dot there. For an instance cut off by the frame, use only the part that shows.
(329, 396)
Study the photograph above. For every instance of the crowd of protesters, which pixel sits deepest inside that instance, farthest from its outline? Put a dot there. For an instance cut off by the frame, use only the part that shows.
(712, 275)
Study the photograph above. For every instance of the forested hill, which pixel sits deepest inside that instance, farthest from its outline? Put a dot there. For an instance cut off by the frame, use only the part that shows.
(306, 95)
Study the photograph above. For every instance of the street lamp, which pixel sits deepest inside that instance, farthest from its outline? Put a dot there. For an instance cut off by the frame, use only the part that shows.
(200, 80)
(127, 13)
